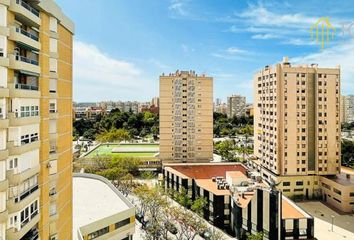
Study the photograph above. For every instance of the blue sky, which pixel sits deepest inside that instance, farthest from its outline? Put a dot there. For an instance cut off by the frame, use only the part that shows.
(121, 47)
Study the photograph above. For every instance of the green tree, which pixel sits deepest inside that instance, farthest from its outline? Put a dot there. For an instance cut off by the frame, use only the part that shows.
(114, 135)
(257, 236)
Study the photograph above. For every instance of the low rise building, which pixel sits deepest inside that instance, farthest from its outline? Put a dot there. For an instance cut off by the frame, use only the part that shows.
(100, 210)
(237, 203)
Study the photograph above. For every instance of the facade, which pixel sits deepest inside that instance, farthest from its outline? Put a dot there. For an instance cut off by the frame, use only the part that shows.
(186, 117)
(297, 126)
(267, 211)
(100, 210)
(347, 108)
(236, 105)
(36, 93)
(239, 204)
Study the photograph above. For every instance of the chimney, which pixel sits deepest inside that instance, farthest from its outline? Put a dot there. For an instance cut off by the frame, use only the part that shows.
(285, 59)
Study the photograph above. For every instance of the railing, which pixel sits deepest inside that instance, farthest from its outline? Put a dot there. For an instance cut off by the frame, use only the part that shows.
(26, 60)
(27, 34)
(28, 7)
(26, 87)
(26, 193)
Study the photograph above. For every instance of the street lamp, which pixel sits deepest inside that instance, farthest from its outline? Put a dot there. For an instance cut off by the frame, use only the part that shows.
(332, 221)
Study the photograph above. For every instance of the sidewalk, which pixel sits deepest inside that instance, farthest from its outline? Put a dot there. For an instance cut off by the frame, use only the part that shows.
(342, 224)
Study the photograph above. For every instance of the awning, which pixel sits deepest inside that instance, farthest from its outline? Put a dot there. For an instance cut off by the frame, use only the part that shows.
(30, 73)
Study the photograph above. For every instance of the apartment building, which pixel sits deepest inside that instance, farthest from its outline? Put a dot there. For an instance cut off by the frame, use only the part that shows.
(36, 93)
(347, 108)
(297, 126)
(236, 105)
(186, 117)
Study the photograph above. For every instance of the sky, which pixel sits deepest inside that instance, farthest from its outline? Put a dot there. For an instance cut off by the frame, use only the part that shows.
(121, 47)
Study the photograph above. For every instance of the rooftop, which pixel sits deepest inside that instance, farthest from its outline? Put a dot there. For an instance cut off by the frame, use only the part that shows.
(95, 198)
(342, 179)
(212, 187)
(206, 170)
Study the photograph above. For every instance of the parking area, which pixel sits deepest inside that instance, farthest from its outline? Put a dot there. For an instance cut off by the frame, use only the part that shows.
(342, 224)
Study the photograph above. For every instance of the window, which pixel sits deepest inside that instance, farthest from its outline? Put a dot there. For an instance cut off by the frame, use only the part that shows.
(299, 183)
(29, 111)
(52, 107)
(286, 183)
(98, 233)
(52, 85)
(13, 163)
(337, 191)
(53, 24)
(53, 237)
(52, 209)
(53, 45)
(122, 223)
(53, 65)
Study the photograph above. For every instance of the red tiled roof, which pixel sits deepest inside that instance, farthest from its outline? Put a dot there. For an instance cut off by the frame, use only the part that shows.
(208, 171)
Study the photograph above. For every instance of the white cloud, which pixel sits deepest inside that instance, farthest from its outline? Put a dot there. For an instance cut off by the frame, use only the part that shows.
(258, 15)
(98, 76)
(342, 54)
(265, 36)
(178, 7)
(232, 53)
(235, 50)
(299, 42)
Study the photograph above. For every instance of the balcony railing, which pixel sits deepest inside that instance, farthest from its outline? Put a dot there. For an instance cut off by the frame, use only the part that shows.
(28, 7)
(26, 87)
(26, 193)
(27, 34)
(26, 60)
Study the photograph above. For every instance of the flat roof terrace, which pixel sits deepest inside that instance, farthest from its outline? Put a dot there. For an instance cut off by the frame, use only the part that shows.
(94, 199)
(342, 179)
(206, 170)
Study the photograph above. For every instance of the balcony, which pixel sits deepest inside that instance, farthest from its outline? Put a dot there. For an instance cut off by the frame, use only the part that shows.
(33, 234)
(4, 61)
(4, 92)
(4, 184)
(17, 178)
(4, 122)
(22, 37)
(19, 62)
(18, 149)
(21, 121)
(15, 205)
(25, 13)
(26, 226)
(4, 216)
(18, 90)
(4, 154)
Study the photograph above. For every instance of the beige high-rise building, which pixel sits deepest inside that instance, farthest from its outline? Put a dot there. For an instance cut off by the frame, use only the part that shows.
(186, 117)
(297, 125)
(35, 120)
(236, 105)
(347, 108)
